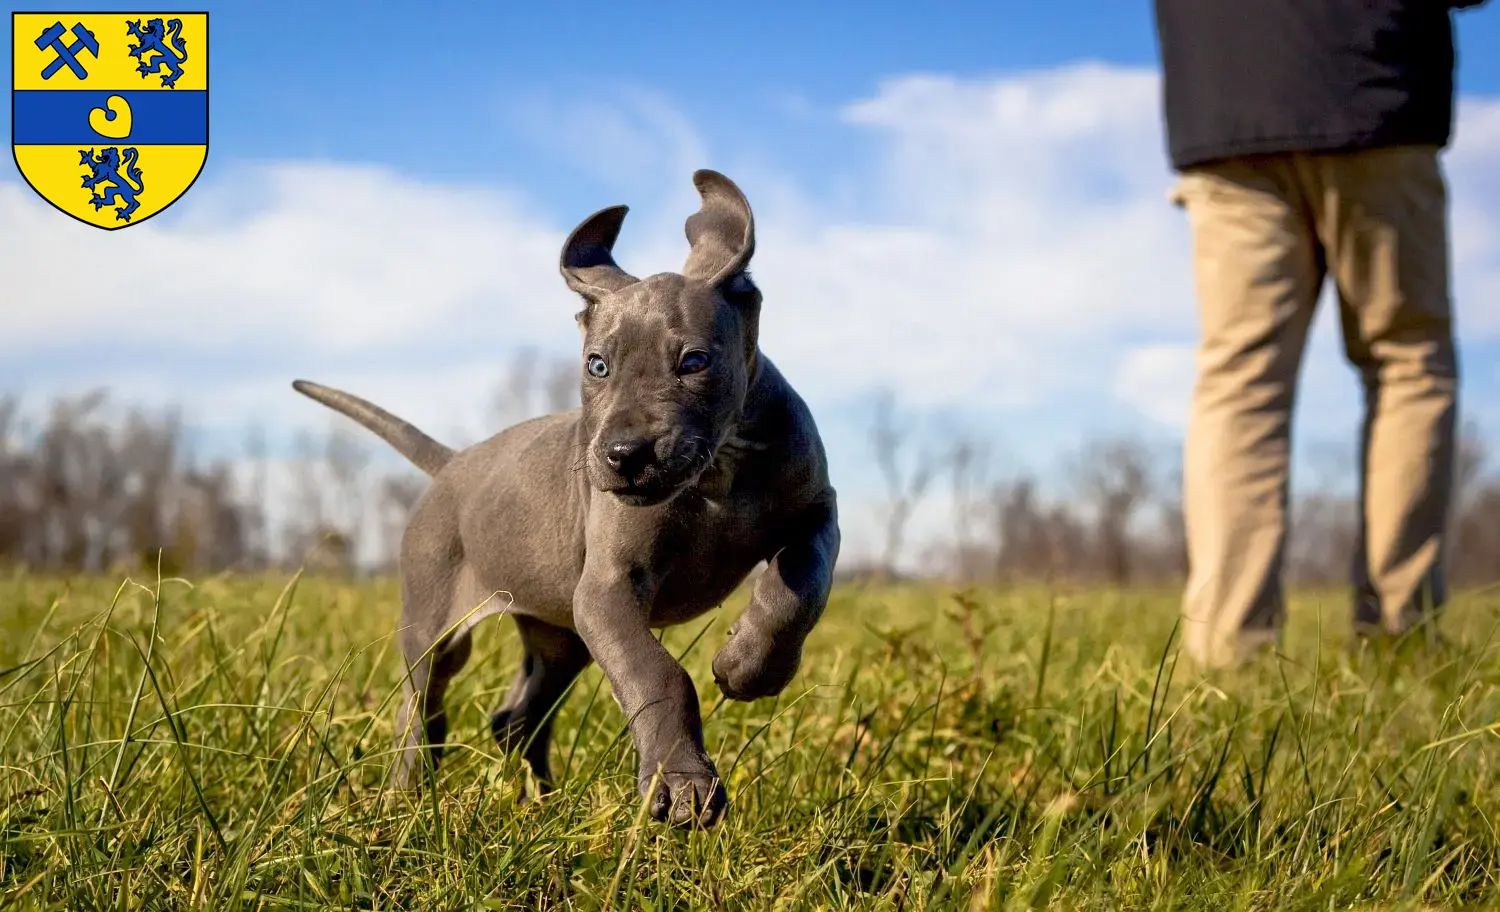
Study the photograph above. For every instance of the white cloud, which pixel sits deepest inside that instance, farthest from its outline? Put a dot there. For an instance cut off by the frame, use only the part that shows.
(332, 259)
(1157, 380)
(1013, 247)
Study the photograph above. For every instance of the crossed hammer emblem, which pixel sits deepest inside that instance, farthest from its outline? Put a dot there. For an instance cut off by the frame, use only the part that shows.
(67, 54)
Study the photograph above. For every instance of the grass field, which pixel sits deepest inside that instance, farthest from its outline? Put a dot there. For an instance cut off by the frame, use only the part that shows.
(222, 744)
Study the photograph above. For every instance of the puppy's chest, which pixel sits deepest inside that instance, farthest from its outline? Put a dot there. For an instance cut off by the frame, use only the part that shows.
(703, 560)
(732, 525)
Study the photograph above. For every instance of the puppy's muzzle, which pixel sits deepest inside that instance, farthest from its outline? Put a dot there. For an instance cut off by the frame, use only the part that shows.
(637, 473)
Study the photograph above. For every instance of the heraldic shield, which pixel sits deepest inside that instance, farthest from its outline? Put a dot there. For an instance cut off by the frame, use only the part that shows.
(109, 111)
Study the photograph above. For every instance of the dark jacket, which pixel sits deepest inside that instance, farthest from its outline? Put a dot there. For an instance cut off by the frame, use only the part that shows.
(1242, 77)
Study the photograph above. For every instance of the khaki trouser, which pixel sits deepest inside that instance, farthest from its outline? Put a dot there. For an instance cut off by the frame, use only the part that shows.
(1266, 232)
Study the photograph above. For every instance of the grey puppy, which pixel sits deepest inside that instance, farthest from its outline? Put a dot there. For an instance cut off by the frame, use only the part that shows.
(690, 462)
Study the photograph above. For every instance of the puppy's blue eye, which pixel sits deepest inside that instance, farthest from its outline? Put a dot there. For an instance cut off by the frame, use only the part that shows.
(597, 367)
(693, 362)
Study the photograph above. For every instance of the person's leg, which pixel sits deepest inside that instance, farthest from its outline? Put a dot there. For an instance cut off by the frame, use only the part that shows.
(1258, 269)
(1384, 226)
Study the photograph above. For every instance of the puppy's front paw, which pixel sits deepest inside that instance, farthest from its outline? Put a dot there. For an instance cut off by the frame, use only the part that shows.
(752, 665)
(684, 794)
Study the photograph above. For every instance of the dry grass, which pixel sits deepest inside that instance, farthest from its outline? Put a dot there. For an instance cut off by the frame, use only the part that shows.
(222, 744)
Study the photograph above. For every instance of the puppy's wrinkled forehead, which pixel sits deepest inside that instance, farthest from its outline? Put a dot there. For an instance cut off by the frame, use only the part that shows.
(666, 304)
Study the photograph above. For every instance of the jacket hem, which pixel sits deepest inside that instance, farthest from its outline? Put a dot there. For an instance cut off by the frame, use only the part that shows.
(1194, 156)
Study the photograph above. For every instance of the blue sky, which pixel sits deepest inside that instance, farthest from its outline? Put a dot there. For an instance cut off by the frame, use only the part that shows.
(966, 203)
(434, 89)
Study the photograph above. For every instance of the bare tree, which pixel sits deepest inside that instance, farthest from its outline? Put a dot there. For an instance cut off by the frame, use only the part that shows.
(512, 400)
(1069, 545)
(345, 460)
(1115, 479)
(1024, 546)
(1470, 464)
(1474, 557)
(532, 385)
(256, 499)
(967, 464)
(561, 385)
(209, 529)
(1174, 553)
(398, 495)
(905, 486)
(17, 502)
(87, 492)
(312, 536)
(1324, 527)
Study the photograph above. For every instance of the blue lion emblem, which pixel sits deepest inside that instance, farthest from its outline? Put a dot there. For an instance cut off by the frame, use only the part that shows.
(109, 167)
(154, 39)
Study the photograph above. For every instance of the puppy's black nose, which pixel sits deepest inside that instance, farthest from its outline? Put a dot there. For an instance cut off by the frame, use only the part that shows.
(629, 456)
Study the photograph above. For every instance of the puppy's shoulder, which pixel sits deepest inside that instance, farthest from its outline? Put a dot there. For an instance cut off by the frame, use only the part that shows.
(783, 416)
(784, 432)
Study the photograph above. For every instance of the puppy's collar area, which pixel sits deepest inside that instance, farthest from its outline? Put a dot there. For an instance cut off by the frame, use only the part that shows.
(714, 482)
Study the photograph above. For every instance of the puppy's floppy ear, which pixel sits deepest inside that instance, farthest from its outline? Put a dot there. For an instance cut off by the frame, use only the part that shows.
(721, 232)
(588, 263)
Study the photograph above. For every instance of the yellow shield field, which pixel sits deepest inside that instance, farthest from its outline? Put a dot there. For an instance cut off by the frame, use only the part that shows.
(109, 111)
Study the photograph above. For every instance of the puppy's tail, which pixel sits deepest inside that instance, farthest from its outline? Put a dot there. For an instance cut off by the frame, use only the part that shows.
(427, 454)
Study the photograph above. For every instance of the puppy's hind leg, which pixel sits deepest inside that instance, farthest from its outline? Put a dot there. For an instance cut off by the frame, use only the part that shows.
(553, 659)
(433, 654)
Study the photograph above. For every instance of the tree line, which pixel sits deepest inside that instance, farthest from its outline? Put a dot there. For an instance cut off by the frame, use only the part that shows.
(93, 486)
(1117, 516)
